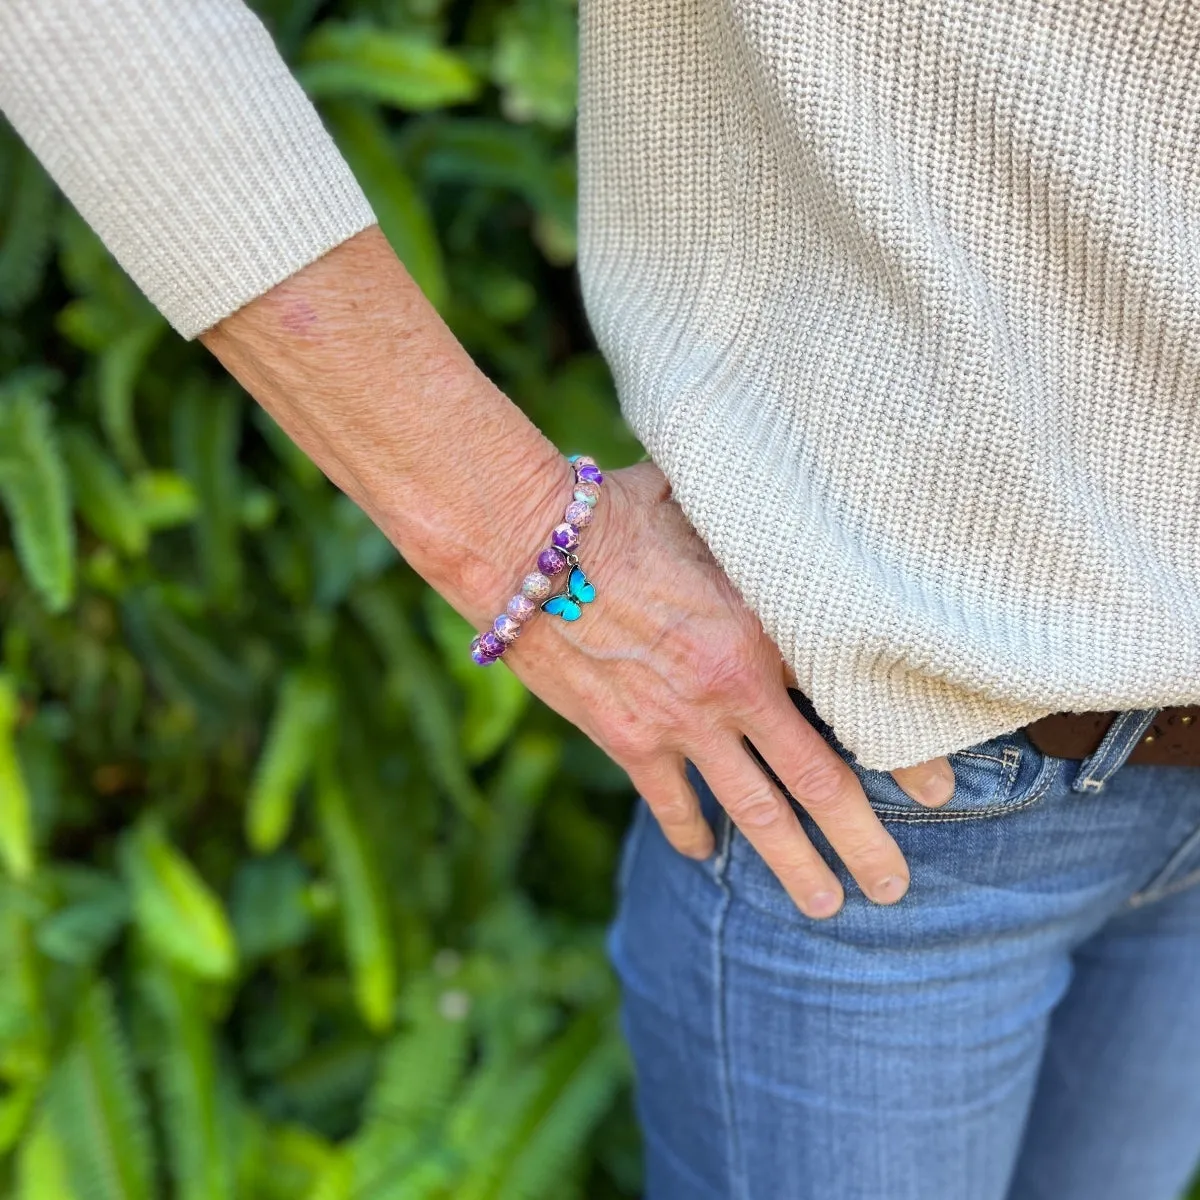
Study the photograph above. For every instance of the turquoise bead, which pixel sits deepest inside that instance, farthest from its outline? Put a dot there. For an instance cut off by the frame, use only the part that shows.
(587, 498)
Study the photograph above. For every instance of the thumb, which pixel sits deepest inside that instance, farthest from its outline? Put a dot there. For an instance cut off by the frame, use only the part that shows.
(929, 783)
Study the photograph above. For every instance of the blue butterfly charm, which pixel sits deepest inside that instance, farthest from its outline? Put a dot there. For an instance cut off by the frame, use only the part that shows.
(568, 604)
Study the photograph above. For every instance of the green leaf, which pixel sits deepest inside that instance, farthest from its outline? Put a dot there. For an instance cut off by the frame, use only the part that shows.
(516, 790)
(496, 699)
(361, 62)
(293, 1159)
(16, 807)
(96, 1109)
(165, 499)
(41, 1169)
(182, 920)
(278, 1029)
(366, 928)
(293, 741)
(534, 61)
(553, 1140)
(422, 689)
(419, 1074)
(578, 409)
(16, 1105)
(24, 1032)
(403, 217)
(103, 494)
(26, 233)
(319, 1088)
(183, 659)
(33, 486)
(477, 152)
(206, 425)
(96, 910)
(120, 365)
(187, 1087)
(269, 905)
(553, 1105)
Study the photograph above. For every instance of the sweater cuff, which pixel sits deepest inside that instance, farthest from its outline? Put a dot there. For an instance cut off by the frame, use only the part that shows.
(179, 134)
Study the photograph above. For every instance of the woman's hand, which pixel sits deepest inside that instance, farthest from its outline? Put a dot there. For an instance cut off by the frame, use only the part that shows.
(668, 664)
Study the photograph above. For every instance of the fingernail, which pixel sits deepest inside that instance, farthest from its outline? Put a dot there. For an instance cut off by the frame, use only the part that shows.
(889, 889)
(823, 904)
(936, 789)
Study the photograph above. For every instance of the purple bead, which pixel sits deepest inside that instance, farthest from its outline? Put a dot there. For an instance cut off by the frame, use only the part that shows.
(579, 513)
(479, 655)
(491, 645)
(579, 461)
(565, 537)
(589, 473)
(506, 629)
(521, 608)
(551, 561)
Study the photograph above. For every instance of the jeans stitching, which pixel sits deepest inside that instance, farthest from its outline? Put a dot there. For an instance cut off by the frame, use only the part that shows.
(720, 1022)
(1162, 885)
(1041, 785)
(1141, 899)
(988, 757)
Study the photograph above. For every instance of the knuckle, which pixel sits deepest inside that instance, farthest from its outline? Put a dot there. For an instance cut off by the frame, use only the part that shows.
(674, 810)
(628, 741)
(757, 808)
(729, 673)
(819, 783)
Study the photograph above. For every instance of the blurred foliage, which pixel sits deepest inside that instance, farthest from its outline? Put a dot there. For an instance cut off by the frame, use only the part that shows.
(295, 903)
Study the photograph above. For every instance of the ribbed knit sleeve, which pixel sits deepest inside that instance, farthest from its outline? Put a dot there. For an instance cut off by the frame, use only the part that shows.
(177, 131)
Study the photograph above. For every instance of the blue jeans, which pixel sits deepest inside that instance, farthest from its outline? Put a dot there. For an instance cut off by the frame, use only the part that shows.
(1021, 1026)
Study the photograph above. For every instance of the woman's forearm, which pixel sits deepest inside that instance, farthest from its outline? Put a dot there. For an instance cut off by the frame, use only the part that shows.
(358, 368)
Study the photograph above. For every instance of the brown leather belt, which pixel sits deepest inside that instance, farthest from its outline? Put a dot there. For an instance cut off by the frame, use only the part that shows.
(1172, 739)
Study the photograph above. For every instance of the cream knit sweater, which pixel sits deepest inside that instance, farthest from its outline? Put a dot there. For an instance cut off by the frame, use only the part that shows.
(904, 297)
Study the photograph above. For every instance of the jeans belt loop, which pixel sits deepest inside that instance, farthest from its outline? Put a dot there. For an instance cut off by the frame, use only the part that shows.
(1115, 747)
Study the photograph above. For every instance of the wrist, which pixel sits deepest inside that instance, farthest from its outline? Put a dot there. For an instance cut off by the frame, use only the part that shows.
(555, 581)
(487, 548)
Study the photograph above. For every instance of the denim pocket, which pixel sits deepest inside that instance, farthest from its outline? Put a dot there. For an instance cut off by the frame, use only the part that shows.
(994, 777)
(991, 779)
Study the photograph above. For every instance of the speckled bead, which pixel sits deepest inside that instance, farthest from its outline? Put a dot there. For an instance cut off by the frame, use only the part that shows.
(551, 561)
(505, 628)
(589, 493)
(578, 513)
(588, 473)
(581, 460)
(521, 608)
(565, 537)
(489, 643)
(479, 655)
(536, 586)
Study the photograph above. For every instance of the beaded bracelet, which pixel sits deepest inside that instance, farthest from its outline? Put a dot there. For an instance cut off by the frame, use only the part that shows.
(487, 647)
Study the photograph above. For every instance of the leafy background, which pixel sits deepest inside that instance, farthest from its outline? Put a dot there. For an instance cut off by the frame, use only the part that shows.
(295, 903)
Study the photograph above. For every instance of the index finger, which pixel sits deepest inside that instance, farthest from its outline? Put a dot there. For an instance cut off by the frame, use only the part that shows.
(828, 790)
(762, 814)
